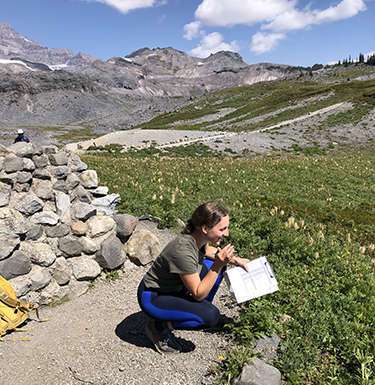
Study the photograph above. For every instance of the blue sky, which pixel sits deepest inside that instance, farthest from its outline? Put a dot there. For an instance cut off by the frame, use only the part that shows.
(293, 32)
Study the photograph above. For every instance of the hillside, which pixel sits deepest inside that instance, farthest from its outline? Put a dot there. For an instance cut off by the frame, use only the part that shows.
(266, 107)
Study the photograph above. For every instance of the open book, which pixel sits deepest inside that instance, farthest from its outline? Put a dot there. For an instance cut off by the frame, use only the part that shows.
(260, 280)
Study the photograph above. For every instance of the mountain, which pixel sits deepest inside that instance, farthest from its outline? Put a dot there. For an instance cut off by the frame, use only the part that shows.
(42, 87)
(14, 46)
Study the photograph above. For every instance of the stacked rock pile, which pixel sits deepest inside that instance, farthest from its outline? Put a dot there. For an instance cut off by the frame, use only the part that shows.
(58, 229)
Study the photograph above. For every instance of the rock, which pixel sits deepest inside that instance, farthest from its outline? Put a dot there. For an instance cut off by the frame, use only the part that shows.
(110, 255)
(34, 233)
(142, 247)
(89, 246)
(40, 161)
(72, 181)
(22, 149)
(100, 225)
(84, 211)
(39, 278)
(45, 218)
(49, 149)
(89, 179)
(17, 264)
(81, 194)
(61, 271)
(12, 221)
(75, 163)
(28, 165)
(84, 268)
(42, 174)
(126, 225)
(107, 205)
(39, 253)
(24, 177)
(79, 228)
(59, 172)
(58, 231)
(12, 164)
(51, 293)
(42, 189)
(258, 374)
(70, 246)
(60, 185)
(100, 191)
(63, 207)
(4, 197)
(75, 288)
(58, 159)
(21, 285)
(8, 241)
(268, 346)
(29, 205)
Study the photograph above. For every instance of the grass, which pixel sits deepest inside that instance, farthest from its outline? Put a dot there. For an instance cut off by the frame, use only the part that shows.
(273, 101)
(312, 216)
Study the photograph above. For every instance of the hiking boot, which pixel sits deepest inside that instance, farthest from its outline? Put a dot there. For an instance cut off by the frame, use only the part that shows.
(163, 341)
(221, 324)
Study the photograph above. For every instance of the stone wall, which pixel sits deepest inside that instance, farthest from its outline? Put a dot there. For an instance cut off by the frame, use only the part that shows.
(58, 229)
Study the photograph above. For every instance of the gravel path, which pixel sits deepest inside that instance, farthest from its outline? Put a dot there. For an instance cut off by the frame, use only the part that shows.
(99, 339)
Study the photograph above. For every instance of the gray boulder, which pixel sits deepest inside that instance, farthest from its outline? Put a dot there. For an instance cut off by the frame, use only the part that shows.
(58, 231)
(8, 242)
(84, 211)
(70, 246)
(12, 164)
(40, 161)
(142, 247)
(39, 278)
(61, 271)
(34, 233)
(258, 374)
(17, 264)
(29, 205)
(39, 253)
(89, 179)
(125, 224)
(45, 218)
(107, 205)
(58, 159)
(84, 268)
(110, 255)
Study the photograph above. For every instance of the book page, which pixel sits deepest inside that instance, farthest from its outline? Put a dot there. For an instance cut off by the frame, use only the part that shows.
(248, 285)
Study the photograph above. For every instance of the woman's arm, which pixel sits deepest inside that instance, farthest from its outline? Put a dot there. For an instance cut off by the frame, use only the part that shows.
(198, 288)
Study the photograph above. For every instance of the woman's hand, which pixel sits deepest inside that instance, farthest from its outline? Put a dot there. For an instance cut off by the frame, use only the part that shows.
(237, 261)
(224, 255)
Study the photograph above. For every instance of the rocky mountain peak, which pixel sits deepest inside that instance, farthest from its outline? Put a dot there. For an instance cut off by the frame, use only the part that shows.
(14, 45)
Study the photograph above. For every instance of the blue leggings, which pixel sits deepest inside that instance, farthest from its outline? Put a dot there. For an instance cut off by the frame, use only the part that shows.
(180, 308)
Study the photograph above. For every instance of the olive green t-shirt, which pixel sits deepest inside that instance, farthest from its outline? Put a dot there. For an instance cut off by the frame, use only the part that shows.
(180, 256)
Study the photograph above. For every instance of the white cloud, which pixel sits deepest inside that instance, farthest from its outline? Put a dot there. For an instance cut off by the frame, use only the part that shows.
(213, 43)
(295, 19)
(276, 16)
(265, 42)
(125, 6)
(193, 30)
(227, 13)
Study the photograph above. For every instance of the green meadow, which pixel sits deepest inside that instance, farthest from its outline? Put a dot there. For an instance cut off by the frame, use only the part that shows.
(314, 219)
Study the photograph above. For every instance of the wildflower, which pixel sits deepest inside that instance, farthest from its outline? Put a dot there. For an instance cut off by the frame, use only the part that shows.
(362, 250)
(348, 238)
(173, 198)
(320, 234)
(154, 197)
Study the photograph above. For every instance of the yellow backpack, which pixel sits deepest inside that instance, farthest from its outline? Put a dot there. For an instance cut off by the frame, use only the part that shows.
(12, 311)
